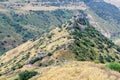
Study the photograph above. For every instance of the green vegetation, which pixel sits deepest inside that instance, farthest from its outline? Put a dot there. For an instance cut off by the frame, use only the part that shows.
(49, 54)
(118, 48)
(26, 75)
(35, 60)
(110, 15)
(106, 12)
(46, 63)
(114, 66)
(50, 35)
(18, 66)
(22, 27)
(90, 44)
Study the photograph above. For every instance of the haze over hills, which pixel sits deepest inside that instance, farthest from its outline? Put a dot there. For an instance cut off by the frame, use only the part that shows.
(40, 39)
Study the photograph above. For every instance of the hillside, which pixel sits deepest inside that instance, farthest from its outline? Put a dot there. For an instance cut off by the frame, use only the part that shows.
(71, 70)
(76, 40)
(25, 20)
(79, 71)
(108, 14)
(22, 26)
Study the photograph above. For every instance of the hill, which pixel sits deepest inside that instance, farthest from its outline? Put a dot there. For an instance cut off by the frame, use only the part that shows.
(109, 14)
(25, 20)
(21, 27)
(71, 70)
(79, 71)
(76, 40)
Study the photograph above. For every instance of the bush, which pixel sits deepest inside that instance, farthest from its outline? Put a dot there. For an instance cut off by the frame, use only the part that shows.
(46, 64)
(18, 66)
(13, 68)
(50, 35)
(35, 60)
(49, 54)
(114, 66)
(96, 61)
(118, 49)
(27, 75)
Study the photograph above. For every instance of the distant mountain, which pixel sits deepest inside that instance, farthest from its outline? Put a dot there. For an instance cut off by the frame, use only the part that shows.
(108, 14)
(114, 2)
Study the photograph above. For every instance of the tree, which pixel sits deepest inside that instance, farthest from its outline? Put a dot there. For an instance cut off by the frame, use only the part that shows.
(27, 75)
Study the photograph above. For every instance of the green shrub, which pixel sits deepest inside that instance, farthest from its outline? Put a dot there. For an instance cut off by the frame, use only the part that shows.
(46, 64)
(96, 61)
(49, 54)
(26, 75)
(118, 49)
(13, 68)
(114, 66)
(50, 35)
(35, 60)
(18, 66)
(101, 59)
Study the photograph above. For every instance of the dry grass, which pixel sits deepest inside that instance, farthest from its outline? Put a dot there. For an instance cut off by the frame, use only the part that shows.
(117, 42)
(80, 71)
(15, 56)
(69, 71)
(52, 8)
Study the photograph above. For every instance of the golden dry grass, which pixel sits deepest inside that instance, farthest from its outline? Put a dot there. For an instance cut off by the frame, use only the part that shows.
(117, 42)
(68, 71)
(15, 56)
(80, 71)
(52, 8)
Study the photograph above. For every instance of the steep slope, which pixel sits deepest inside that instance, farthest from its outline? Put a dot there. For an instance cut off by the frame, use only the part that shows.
(18, 27)
(76, 40)
(109, 14)
(29, 19)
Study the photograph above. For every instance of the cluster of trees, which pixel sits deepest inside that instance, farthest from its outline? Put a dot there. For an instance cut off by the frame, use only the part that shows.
(26, 75)
(86, 41)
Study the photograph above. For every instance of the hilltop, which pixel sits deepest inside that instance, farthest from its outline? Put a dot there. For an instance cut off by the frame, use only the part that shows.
(75, 40)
